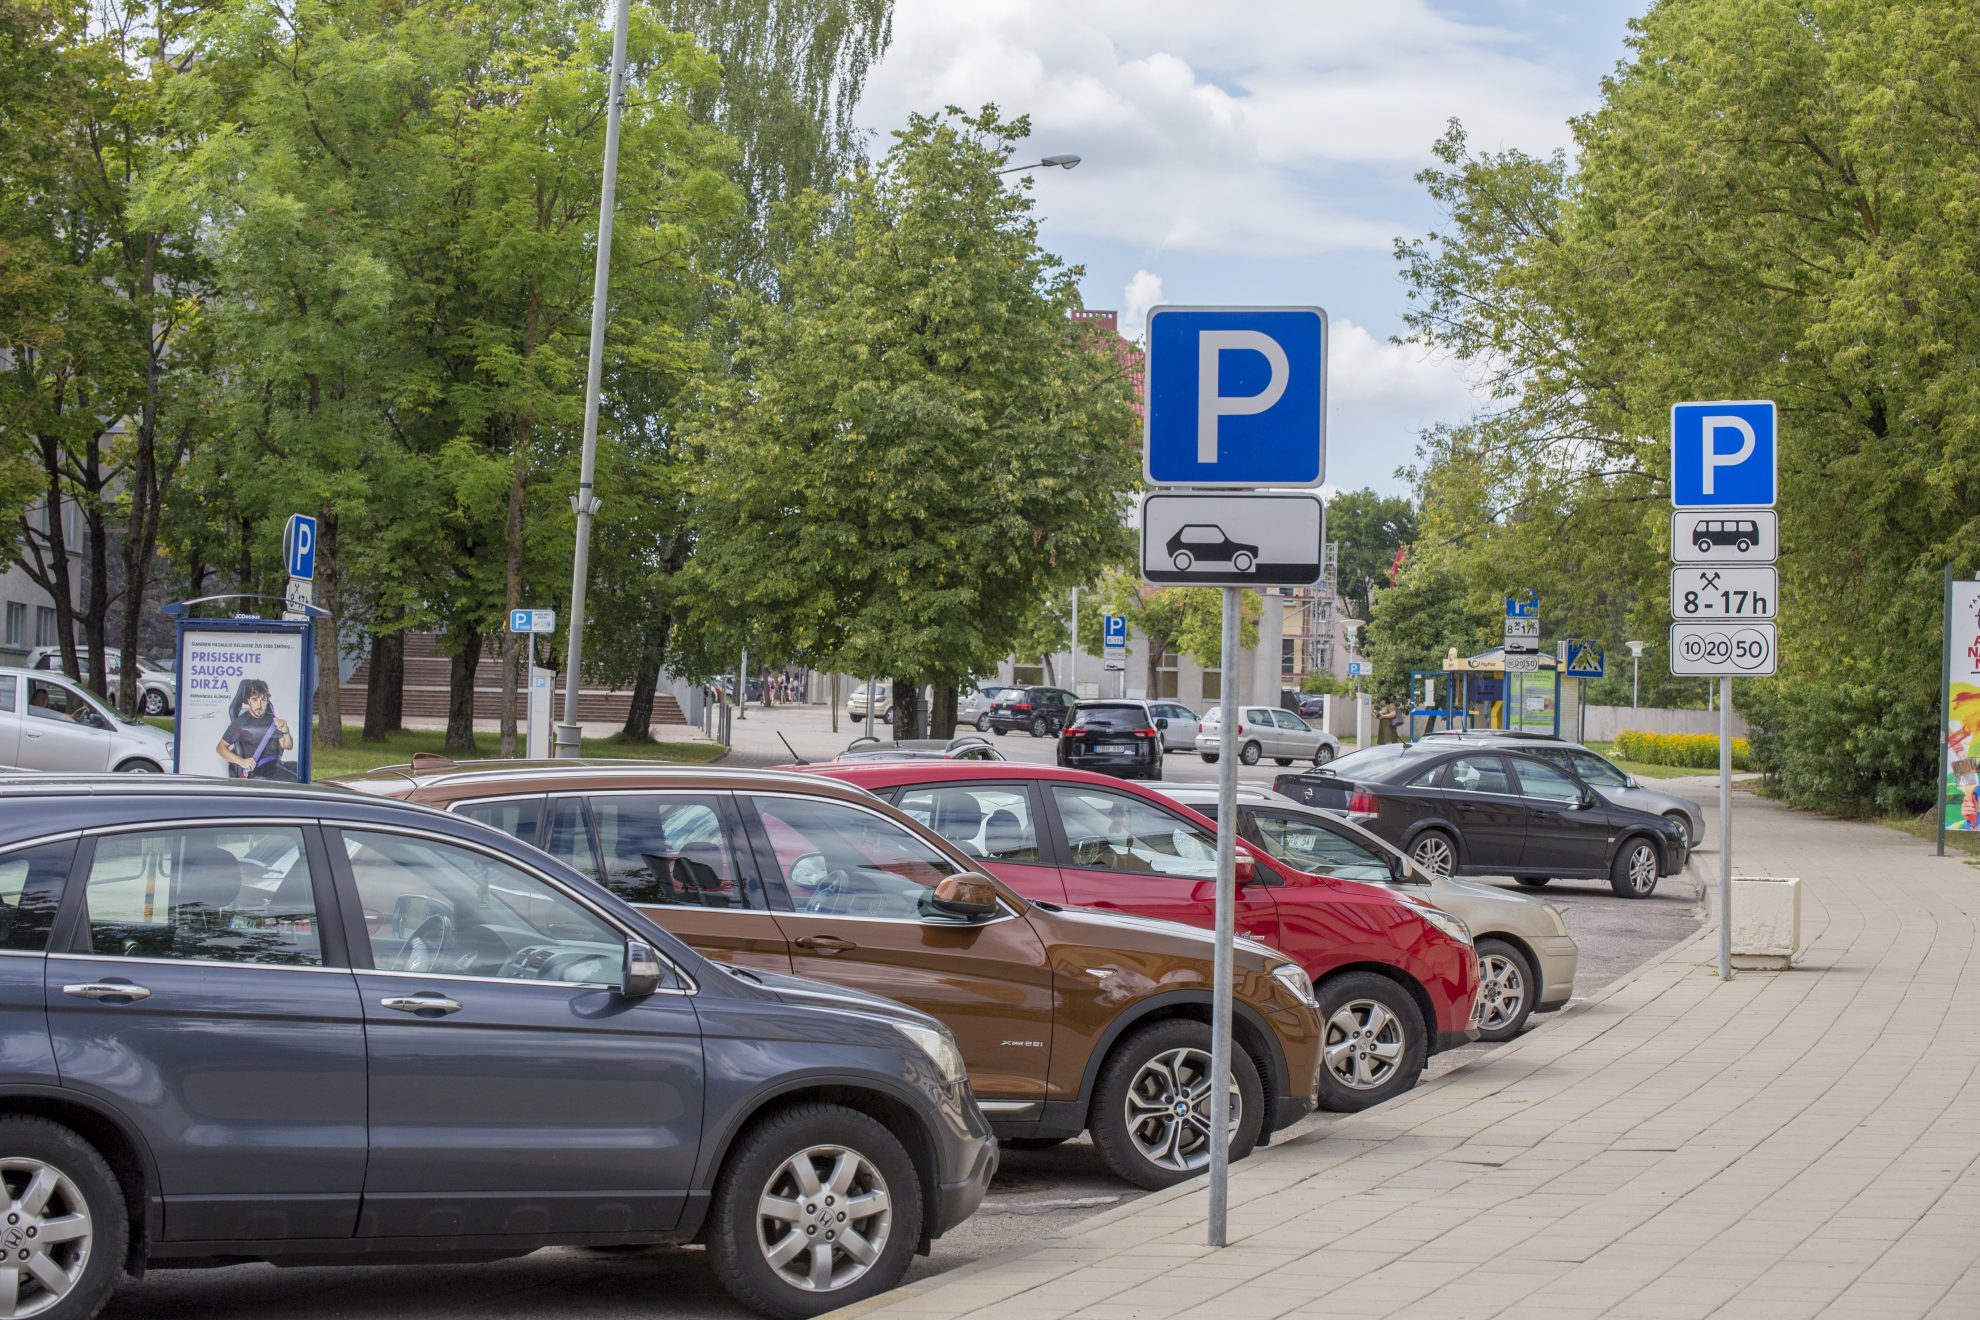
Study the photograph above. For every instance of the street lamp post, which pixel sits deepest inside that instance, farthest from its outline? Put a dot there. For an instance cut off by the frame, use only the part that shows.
(1635, 655)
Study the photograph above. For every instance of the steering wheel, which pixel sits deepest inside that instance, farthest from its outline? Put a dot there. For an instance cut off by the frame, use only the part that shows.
(424, 945)
(826, 893)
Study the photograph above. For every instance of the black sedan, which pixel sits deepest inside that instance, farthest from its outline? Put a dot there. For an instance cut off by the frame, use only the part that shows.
(1115, 738)
(1470, 811)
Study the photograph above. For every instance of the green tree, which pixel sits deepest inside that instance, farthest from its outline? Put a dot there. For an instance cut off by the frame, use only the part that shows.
(1370, 528)
(927, 445)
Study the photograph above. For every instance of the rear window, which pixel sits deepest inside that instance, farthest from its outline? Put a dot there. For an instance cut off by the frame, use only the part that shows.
(30, 890)
(1112, 717)
(1367, 761)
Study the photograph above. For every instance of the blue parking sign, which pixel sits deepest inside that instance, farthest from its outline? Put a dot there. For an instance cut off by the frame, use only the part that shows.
(1237, 396)
(1116, 632)
(1723, 455)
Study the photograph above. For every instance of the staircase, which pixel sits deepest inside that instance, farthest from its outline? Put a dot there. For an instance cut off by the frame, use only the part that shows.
(427, 671)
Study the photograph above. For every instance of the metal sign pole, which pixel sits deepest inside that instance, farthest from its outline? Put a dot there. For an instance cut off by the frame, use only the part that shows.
(1072, 650)
(1220, 993)
(1725, 829)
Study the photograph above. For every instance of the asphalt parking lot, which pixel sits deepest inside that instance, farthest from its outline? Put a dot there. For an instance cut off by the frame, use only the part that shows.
(1037, 1192)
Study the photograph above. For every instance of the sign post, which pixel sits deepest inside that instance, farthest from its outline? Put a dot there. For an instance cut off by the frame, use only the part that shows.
(1725, 463)
(1236, 401)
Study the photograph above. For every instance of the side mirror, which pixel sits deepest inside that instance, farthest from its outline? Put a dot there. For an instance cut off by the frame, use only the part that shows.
(1588, 799)
(1162, 723)
(1398, 868)
(641, 976)
(969, 896)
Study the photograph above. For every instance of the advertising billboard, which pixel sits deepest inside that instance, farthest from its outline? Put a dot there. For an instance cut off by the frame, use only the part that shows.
(244, 699)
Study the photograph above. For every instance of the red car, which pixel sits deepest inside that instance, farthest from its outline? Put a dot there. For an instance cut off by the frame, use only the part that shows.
(1397, 979)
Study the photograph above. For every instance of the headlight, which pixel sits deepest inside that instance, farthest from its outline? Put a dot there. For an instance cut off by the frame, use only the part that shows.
(1555, 911)
(1442, 920)
(1296, 982)
(939, 1046)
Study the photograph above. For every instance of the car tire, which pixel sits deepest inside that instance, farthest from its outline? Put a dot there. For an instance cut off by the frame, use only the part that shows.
(1633, 873)
(886, 717)
(1151, 1149)
(1435, 851)
(1209, 758)
(1033, 1143)
(1509, 986)
(1249, 753)
(83, 1184)
(155, 704)
(1322, 755)
(1684, 826)
(137, 765)
(1282, 760)
(1534, 881)
(1000, 732)
(1357, 1070)
(983, 724)
(1040, 727)
(742, 1240)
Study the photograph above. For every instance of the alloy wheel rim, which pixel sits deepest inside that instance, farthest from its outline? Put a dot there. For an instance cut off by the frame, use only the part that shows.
(1642, 869)
(1503, 989)
(1684, 827)
(1433, 855)
(1168, 1109)
(1364, 1045)
(46, 1237)
(824, 1218)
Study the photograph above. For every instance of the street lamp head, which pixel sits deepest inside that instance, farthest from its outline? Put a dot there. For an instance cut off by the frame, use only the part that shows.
(1636, 648)
(1064, 162)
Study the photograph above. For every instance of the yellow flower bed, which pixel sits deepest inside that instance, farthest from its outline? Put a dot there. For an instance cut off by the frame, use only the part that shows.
(1698, 751)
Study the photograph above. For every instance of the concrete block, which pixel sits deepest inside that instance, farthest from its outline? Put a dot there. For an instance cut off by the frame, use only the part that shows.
(1766, 921)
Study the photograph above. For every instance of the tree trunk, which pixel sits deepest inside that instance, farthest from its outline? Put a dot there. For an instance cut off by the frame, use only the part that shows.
(329, 675)
(96, 594)
(51, 573)
(907, 709)
(384, 695)
(146, 486)
(460, 694)
(646, 685)
(942, 712)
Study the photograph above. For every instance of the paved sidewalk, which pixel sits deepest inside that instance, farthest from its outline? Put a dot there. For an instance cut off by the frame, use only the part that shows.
(1792, 1144)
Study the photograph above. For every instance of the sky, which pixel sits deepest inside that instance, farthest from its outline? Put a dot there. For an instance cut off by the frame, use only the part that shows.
(1261, 153)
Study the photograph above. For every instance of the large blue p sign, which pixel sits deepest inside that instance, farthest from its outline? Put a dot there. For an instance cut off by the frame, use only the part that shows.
(299, 546)
(1236, 396)
(1723, 455)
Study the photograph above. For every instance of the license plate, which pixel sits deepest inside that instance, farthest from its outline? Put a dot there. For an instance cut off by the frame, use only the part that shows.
(1116, 749)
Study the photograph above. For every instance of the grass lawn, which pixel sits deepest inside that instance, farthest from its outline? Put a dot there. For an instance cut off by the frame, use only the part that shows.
(1645, 770)
(356, 755)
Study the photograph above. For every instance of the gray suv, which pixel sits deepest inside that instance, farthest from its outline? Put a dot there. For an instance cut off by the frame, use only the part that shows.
(244, 1022)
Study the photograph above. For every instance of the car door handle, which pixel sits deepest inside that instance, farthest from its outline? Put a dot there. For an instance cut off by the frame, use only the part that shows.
(425, 1002)
(108, 990)
(824, 944)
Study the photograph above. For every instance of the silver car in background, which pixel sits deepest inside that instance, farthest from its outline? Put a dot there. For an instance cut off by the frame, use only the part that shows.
(1526, 958)
(49, 723)
(1601, 774)
(974, 708)
(1179, 734)
(1267, 731)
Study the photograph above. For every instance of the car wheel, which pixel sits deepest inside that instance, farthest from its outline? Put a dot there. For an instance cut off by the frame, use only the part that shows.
(1000, 732)
(1435, 851)
(1040, 727)
(1372, 1046)
(1509, 988)
(1634, 872)
(1033, 1143)
(1151, 1104)
(1322, 755)
(818, 1206)
(1182, 559)
(154, 703)
(983, 724)
(1534, 881)
(1242, 562)
(1209, 758)
(67, 1225)
(139, 766)
(1684, 827)
(1249, 753)
(886, 717)
(1282, 760)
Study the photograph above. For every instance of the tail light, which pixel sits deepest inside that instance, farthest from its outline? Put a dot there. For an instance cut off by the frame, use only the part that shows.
(1074, 731)
(1361, 802)
(1144, 733)
(1240, 730)
(1022, 708)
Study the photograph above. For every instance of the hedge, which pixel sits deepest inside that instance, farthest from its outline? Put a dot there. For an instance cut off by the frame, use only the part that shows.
(1692, 750)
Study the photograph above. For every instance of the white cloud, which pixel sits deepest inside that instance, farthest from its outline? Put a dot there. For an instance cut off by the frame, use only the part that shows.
(1201, 133)
(1143, 292)
(1380, 397)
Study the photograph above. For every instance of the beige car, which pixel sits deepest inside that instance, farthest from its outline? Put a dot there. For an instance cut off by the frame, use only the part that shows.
(1267, 731)
(1526, 959)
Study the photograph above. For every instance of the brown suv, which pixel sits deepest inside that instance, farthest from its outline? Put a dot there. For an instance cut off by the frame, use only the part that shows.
(1068, 1019)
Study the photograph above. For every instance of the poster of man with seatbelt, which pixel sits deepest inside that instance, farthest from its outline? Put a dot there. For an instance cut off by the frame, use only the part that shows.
(243, 711)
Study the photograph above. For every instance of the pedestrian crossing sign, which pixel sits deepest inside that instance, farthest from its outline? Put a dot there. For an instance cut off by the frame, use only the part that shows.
(1585, 660)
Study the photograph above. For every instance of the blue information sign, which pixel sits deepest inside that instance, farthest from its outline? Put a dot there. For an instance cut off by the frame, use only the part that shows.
(1116, 632)
(1585, 660)
(1237, 396)
(1723, 455)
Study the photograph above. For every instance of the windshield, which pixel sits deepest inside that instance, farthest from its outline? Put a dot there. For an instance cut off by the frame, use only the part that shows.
(1111, 717)
(1367, 760)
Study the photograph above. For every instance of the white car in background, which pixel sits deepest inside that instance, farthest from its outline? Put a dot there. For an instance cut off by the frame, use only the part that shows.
(1179, 734)
(1267, 731)
(974, 708)
(156, 687)
(49, 723)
